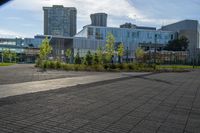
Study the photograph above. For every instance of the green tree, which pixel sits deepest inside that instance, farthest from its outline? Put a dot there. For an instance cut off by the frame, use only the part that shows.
(7, 55)
(139, 53)
(68, 54)
(77, 59)
(100, 55)
(110, 47)
(14, 56)
(88, 58)
(96, 59)
(45, 49)
(120, 52)
(180, 44)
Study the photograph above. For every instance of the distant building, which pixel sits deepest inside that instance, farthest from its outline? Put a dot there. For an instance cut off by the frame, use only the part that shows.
(189, 29)
(133, 26)
(32, 42)
(27, 49)
(168, 57)
(60, 21)
(14, 44)
(91, 37)
(99, 19)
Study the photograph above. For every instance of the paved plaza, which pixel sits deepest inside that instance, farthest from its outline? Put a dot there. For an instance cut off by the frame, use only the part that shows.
(27, 72)
(145, 103)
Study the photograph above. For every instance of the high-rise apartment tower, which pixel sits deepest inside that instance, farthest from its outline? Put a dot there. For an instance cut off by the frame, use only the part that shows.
(60, 21)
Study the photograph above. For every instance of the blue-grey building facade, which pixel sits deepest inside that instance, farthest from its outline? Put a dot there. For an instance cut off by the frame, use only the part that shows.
(189, 29)
(92, 37)
(14, 44)
(27, 49)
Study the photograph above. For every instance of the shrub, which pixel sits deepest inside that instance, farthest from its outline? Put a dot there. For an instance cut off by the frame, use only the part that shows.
(131, 66)
(58, 64)
(77, 59)
(112, 66)
(82, 67)
(88, 58)
(38, 63)
(106, 66)
(125, 67)
(68, 67)
(44, 65)
(98, 67)
(52, 65)
(76, 67)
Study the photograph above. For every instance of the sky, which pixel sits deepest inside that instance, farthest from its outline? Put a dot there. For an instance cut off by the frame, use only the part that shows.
(24, 18)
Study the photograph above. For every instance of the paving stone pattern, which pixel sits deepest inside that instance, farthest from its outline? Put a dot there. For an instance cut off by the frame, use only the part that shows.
(20, 73)
(158, 103)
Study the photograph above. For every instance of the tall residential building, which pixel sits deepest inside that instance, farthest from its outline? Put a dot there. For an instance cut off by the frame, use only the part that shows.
(60, 21)
(99, 19)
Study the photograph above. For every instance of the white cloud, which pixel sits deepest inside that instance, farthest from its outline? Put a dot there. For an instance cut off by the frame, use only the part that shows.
(155, 22)
(8, 33)
(13, 18)
(119, 11)
(117, 8)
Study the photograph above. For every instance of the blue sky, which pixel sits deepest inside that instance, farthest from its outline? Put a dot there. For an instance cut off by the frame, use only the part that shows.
(24, 18)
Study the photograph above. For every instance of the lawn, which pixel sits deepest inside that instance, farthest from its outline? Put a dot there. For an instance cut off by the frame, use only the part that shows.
(6, 64)
(176, 67)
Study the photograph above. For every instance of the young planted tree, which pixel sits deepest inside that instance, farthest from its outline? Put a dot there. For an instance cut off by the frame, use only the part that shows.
(139, 53)
(88, 58)
(96, 59)
(77, 59)
(110, 47)
(7, 55)
(100, 55)
(120, 51)
(45, 49)
(14, 56)
(68, 54)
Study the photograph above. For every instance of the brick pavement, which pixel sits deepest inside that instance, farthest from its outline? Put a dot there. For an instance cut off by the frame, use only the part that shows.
(20, 73)
(158, 103)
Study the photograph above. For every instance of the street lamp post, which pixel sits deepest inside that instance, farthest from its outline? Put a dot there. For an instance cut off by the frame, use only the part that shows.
(2, 55)
(194, 56)
(155, 48)
(127, 54)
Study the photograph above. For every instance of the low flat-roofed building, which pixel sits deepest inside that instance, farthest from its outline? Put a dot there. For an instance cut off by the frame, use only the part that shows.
(92, 37)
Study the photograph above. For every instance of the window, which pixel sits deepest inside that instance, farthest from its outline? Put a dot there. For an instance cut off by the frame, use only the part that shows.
(128, 34)
(62, 52)
(138, 34)
(90, 31)
(98, 34)
(172, 37)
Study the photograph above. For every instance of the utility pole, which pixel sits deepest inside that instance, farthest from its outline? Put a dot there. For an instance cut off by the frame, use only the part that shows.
(194, 53)
(149, 54)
